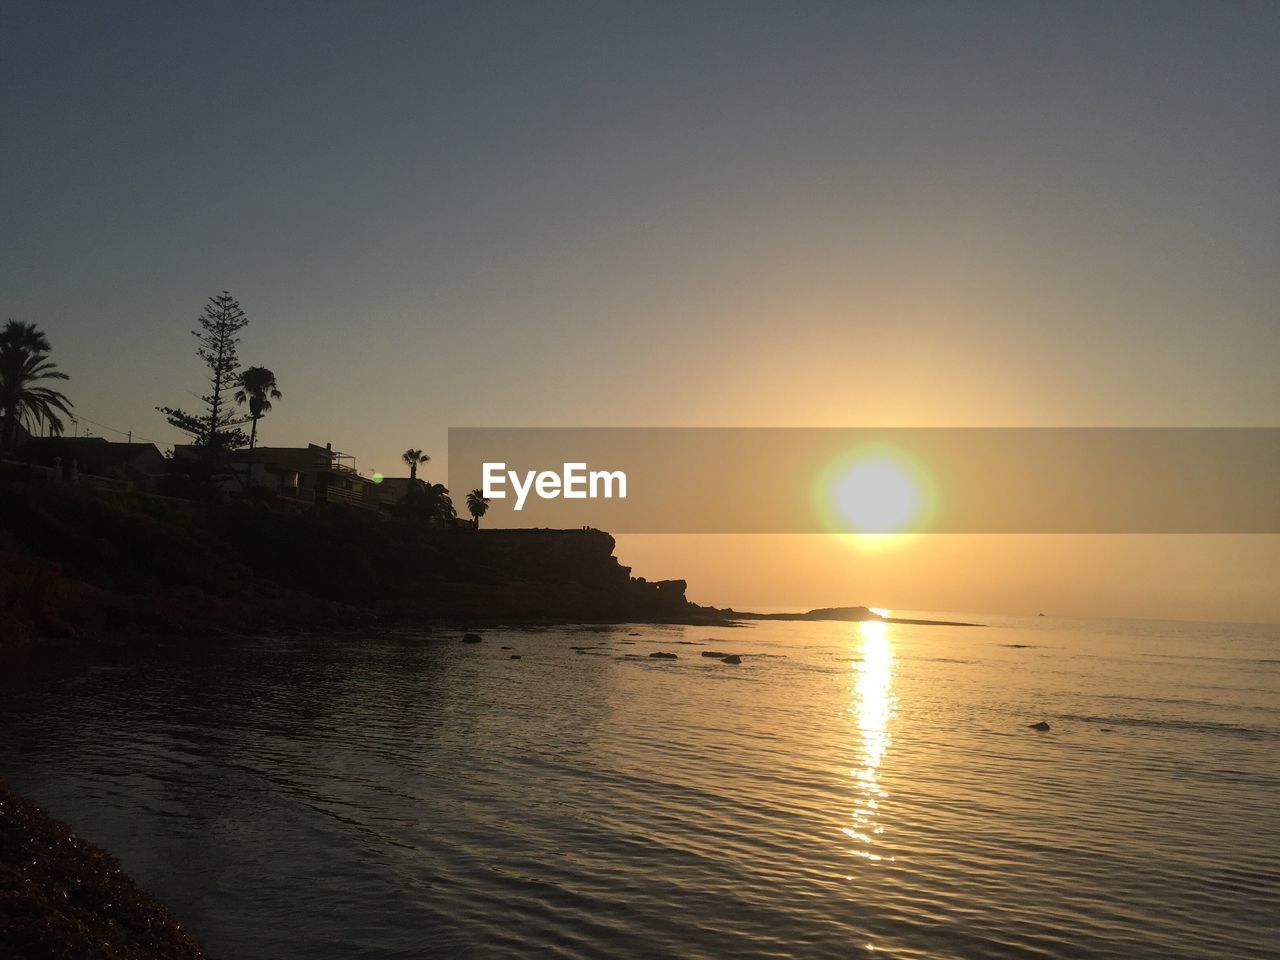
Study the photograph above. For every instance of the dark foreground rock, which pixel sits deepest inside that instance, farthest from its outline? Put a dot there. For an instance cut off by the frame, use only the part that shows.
(1041, 725)
(61, 897)
(731, 658)
(663, 656)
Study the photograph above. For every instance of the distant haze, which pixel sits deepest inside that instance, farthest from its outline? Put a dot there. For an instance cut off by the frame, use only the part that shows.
(714, 214)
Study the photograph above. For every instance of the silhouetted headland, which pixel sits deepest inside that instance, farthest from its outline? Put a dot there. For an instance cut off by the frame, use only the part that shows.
(849, 614)
(78, 562)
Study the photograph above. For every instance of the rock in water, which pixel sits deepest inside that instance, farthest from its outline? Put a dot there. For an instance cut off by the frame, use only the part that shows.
(664, 656)
(471, 638)
(515, 656)
(714, 653)
(731, 658)
(1038, 726)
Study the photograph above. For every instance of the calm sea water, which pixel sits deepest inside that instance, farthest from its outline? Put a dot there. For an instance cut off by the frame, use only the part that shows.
(848, 791)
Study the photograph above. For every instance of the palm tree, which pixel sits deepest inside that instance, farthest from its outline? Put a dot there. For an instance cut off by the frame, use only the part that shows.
(477, 505)
(429, 501)
(413, 458)
(24, 361)
(258, 386)
(436, 501)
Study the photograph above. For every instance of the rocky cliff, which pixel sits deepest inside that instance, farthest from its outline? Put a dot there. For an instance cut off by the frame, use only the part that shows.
(75, 562)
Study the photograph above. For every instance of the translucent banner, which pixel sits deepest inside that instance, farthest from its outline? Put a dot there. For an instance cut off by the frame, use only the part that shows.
(874, 481)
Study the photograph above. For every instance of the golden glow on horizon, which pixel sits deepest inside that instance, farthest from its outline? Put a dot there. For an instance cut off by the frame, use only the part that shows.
(1188, 577)
(872, 707)
(874, 542)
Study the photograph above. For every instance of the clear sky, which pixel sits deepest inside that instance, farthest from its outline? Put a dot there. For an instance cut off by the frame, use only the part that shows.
(671, 214)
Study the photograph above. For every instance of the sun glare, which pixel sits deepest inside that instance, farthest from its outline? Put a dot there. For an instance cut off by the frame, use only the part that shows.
(874, 542)
(873, 706)
(876, 495)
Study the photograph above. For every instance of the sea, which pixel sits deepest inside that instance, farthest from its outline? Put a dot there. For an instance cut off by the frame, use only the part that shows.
(849, 790)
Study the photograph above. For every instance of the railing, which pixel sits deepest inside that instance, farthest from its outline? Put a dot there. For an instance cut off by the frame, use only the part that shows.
(339, 495)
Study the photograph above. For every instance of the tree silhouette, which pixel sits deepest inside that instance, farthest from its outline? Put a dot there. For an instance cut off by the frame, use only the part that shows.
(428, 500)
(258, 386)
(217, 430)
(413, 458)
(477, 505)
(24, 362)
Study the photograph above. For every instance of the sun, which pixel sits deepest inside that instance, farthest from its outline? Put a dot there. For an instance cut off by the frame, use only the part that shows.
(876, 495)
(875, 492)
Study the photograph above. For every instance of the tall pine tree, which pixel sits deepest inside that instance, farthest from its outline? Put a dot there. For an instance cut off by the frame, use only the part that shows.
(217, 429)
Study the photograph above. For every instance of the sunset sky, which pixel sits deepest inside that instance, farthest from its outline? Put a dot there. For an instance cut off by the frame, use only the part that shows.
(481, 214)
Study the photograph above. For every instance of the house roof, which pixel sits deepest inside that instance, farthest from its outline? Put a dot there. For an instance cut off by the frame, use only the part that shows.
(312, 458)
(89, 451)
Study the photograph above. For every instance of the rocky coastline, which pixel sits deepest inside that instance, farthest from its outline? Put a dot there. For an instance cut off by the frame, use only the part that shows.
(77, 565)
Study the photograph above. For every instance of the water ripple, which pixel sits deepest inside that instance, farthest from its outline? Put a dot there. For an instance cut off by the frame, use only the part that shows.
(848, 790)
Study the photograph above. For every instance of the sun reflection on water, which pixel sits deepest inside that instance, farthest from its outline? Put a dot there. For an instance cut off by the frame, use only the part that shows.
(873, 706)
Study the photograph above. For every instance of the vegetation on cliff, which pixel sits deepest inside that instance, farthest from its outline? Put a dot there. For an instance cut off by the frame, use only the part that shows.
(62, 897)
(216, 429)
